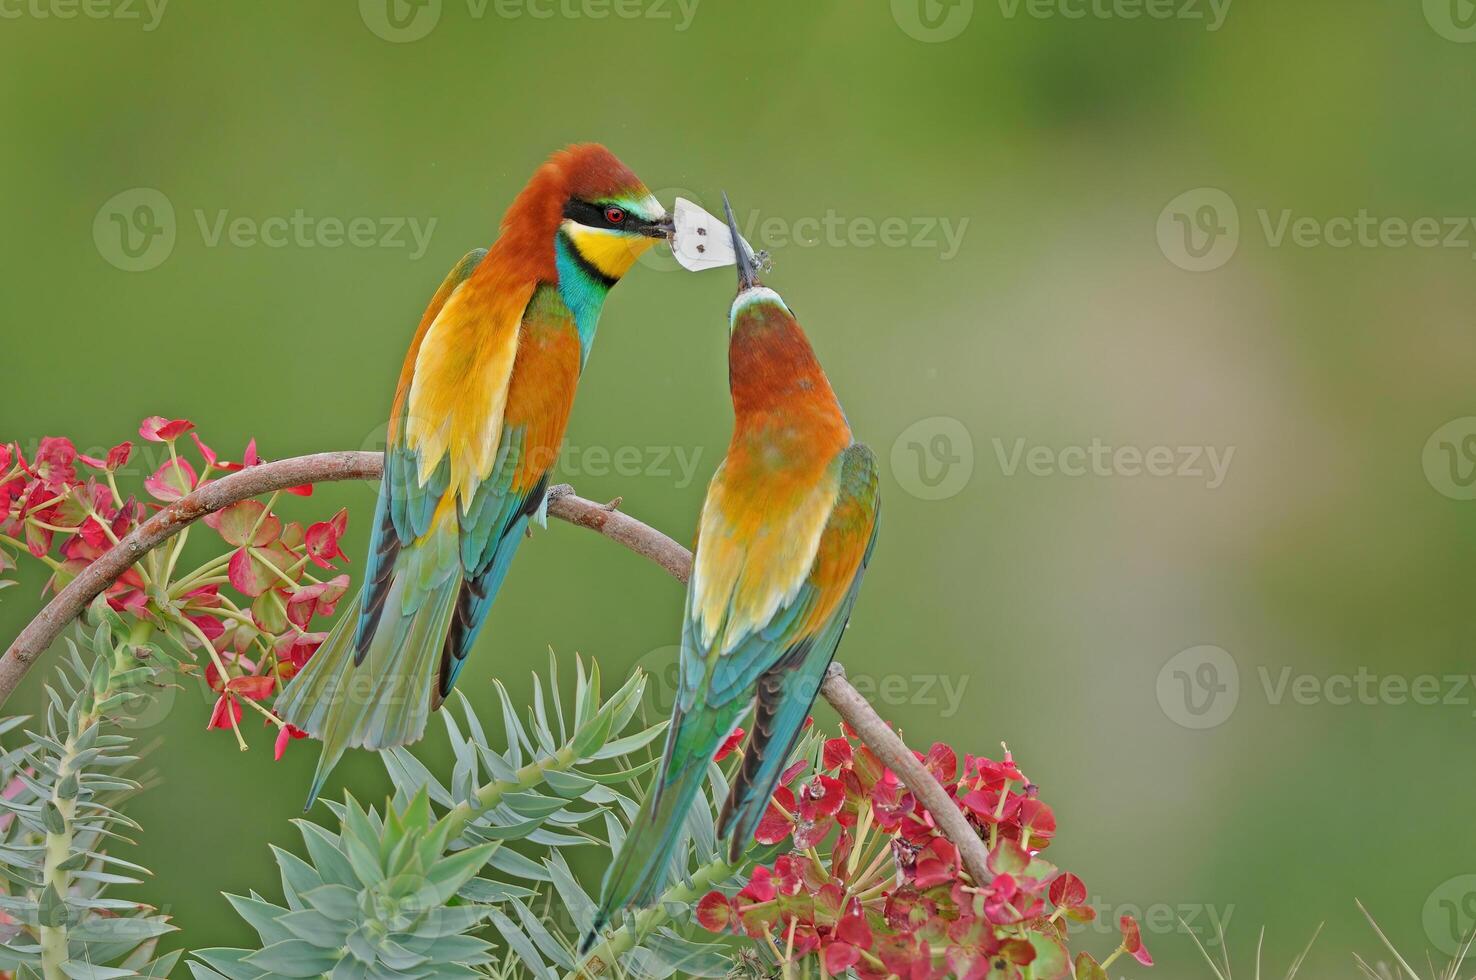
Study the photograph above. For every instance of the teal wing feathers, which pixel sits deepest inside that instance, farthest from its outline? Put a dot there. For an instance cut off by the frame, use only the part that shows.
(798, 647)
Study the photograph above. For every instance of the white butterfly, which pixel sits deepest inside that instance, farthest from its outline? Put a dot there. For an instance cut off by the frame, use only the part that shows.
(702, 241)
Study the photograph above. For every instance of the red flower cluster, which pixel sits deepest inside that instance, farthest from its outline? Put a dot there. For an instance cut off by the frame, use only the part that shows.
(67, 509)
(892, 898)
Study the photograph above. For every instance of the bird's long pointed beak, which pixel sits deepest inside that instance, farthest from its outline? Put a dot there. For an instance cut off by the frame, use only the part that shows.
(747, 270)
(663, 227)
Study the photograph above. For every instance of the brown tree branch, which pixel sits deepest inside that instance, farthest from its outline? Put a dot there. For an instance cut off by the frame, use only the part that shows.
(604, 519)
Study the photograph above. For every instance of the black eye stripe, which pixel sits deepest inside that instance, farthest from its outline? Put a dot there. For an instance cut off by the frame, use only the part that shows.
(593, 215)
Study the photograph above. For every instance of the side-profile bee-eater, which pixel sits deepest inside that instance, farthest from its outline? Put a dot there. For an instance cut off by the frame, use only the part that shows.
(784, 537)
(475, 427)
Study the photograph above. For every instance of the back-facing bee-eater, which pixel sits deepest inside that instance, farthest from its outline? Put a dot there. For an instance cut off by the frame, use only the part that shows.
(784, 537)
(475, 427)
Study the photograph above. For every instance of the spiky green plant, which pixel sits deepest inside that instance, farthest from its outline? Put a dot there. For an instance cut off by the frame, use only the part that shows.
(63, 786)
(1400, 969)
(377, 899)
(568, 777)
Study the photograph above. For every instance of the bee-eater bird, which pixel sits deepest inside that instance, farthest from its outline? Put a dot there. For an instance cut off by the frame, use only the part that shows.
(785, 534)
(474, 430)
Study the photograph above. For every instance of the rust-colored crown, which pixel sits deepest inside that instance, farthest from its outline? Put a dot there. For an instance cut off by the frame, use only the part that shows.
(587, 171)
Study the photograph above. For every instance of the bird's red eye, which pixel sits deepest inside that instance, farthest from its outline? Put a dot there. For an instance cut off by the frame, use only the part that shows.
(614, 215)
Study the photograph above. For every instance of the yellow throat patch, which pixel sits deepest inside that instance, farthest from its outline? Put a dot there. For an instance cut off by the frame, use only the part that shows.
(611, 252)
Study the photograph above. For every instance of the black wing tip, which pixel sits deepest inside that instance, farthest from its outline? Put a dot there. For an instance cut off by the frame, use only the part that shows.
(587, 944)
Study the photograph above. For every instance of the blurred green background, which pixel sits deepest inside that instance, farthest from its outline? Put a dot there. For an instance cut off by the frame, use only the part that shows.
(1065, 309)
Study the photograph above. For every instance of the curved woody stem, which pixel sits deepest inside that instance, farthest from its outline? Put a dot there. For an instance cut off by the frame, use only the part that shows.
(604, 519)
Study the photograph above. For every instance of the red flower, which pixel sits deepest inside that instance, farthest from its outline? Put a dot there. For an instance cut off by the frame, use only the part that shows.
(56, 463)
(225, 714)
(294, 648)
(246, 522)
(210, 626)
(905, 957)
(971, 947)
(1068, 891)
(941, 762)
(1132, 940)
(250, 578)
(227, 709)
(821, 797)
(729, 744)
(936, 864)
(819, 801)
(117, 456)
(776, 823)
(836, 754)
(850, 937)
(1037, 818)
(172, 480)
(760, 887)
(890, 803)
(156, 428)
(249, 458)
(322, 540)
(286, 734)
(998, 772)
(253, 687)
(718, 913)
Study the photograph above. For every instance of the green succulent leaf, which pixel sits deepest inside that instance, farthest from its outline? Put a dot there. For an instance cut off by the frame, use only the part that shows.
(463, 873)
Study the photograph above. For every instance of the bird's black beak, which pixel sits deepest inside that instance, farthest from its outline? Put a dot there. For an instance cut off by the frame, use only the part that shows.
(662, 227)
(747, 270)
